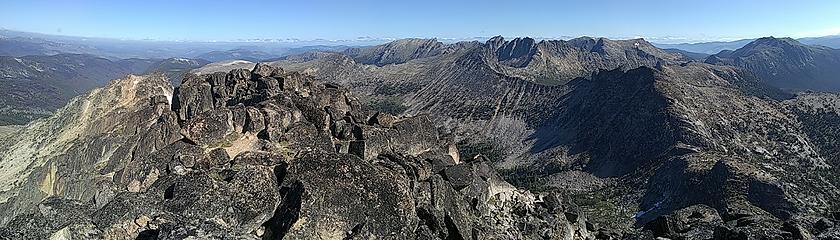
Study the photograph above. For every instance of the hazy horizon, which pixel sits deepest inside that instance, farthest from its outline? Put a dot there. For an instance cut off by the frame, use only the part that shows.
(337, 21)
(364, 41)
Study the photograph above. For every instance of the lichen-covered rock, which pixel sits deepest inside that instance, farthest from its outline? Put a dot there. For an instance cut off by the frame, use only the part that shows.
(240, 201)
(694, 222)
(265, 70)
(277, 119)
(52, 216)
(304, 136)
(260, 158)
(382, 119)
(322, 186)
(412, 136)
(194, 96)
(294, 81)
(209, 127)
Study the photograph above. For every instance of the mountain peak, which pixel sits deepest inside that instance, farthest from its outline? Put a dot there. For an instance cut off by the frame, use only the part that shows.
(413, 42)
(773, 41)
(498, 39)
(785, 63)
(396, 52)
(516, 52)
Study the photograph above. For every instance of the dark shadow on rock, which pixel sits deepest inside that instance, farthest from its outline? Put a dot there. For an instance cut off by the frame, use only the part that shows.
(150, 234)
(286, 214)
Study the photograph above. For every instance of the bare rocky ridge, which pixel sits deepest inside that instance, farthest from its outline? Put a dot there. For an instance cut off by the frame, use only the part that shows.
(259, 154)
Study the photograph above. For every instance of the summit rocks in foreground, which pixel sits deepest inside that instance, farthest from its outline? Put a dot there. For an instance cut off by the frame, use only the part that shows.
(261, 154)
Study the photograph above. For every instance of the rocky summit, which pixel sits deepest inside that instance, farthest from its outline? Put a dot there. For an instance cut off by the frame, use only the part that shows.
(260, 154)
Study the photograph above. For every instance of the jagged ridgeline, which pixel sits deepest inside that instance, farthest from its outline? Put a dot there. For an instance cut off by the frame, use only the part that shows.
(260, 154)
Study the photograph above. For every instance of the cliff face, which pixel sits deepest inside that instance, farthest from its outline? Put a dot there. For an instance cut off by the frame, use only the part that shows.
(255, 154)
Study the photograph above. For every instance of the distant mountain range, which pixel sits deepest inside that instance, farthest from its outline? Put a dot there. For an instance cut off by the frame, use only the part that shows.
(828, 41)
(237, 54)
(715, 47)
(33, 86)
(706, 47)
(36, 85)
(258, 56)
(15, 43)
(175, 68)
(687, 54)
(786, 63)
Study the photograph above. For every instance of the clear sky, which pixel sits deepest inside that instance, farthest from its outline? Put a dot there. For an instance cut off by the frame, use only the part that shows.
(656, 20)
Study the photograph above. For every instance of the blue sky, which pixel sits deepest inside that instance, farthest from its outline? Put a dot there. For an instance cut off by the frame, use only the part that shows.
(656, 20)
